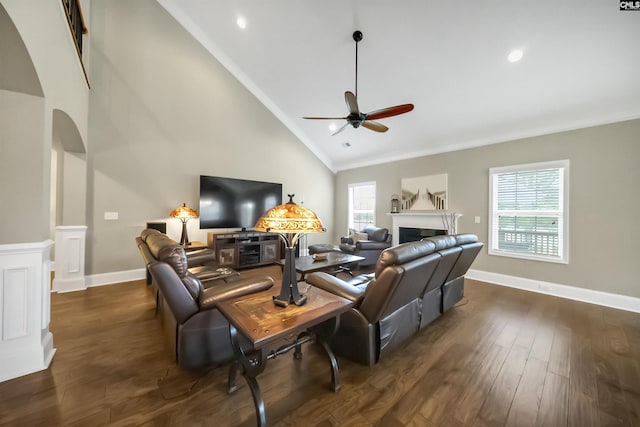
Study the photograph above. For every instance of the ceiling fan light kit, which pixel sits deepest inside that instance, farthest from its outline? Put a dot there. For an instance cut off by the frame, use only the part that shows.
(356, 118)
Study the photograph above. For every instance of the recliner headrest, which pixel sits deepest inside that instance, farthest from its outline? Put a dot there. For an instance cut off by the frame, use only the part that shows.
(377, 234)
(403, 253)
(463, 239)
(441, 242)
(174, 256)
(148, 232)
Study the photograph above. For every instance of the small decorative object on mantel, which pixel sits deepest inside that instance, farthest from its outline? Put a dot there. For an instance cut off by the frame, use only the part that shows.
(449, 223)
(425, 193)
(395, 203)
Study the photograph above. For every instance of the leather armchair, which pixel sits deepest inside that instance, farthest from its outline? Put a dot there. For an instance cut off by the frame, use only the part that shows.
(197, 332)
(378, 239)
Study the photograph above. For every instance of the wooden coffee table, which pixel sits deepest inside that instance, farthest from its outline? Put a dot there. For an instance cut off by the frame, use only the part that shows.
(256, 325)
(336, 260)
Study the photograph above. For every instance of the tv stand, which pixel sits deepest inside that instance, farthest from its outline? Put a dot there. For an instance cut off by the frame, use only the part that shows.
(243, 249)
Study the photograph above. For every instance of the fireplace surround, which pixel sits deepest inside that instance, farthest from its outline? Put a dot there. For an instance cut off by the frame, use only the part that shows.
(434, 220)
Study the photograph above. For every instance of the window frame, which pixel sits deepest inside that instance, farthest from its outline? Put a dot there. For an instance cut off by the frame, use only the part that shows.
(350, 209)
(563, 231)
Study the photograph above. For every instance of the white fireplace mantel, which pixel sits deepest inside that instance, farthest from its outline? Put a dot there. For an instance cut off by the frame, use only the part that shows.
(423, 219)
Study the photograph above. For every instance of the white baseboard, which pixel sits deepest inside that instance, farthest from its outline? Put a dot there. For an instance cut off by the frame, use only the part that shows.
(622, 302)
(115, 277)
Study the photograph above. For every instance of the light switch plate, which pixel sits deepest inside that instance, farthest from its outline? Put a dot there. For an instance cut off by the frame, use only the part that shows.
(111, 216)
(477, 220)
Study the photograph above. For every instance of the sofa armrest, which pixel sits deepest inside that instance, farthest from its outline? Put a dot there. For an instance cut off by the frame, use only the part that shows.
(370, 245)
(336, 286)
(201, 257)
(210, 296)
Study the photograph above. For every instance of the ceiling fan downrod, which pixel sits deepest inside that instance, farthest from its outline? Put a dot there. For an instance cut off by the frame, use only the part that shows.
(357, 36)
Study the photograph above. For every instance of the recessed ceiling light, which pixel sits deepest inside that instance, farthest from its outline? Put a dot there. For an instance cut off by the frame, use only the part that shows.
(242, 23)
(333, 127)
(515, 55)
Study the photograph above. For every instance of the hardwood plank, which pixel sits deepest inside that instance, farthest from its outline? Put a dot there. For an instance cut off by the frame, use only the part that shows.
(482, 363)
(554, 405)
(526, 402)
(496, 406)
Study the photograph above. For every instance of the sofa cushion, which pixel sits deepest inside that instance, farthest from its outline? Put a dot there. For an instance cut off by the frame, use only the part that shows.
(193, 285)
(356, 237)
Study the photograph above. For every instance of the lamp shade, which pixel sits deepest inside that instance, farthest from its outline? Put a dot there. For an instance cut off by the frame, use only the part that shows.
(290, 218)
(184, 212)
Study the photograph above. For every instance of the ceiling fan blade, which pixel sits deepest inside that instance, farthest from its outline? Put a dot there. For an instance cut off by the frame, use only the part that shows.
(378, 127)
(324, 118)
(341, 129)
(352, 102)
(390, 111)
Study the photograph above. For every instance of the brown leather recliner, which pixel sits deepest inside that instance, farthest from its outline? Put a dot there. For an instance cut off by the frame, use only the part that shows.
(378, 239)
(413, 284)
(197, 332)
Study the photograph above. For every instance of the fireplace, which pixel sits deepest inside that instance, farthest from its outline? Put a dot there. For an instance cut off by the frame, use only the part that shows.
(412, 234)
(434, 220)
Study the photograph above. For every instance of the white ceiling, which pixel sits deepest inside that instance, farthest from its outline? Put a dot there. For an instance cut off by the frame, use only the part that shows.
(580, 68)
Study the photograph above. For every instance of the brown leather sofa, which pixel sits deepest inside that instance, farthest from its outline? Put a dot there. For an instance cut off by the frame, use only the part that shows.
(413, 284)
(197, 332)
(378, 239)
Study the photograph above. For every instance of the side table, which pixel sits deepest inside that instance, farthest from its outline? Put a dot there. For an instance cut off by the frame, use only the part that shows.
(256, 323)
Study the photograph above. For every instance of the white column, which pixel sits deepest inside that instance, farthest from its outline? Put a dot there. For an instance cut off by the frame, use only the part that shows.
(26, 345)
(70, 247)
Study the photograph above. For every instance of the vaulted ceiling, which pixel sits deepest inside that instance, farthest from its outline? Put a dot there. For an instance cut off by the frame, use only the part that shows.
(579, 68)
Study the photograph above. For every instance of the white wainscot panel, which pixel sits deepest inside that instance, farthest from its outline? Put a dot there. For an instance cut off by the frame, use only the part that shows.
(26, 344)
(70, 248)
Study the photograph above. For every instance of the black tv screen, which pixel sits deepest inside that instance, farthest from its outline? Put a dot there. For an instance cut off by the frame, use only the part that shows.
(235, 203)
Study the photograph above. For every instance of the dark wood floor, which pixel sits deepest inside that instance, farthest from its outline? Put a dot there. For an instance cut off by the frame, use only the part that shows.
(502, 357)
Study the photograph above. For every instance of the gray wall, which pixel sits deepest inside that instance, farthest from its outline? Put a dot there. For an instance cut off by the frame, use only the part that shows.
(24, 169)
(162, 112)
(603, 195)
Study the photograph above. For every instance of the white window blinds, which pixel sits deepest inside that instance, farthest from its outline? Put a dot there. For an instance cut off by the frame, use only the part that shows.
(362, 205)
(528, 211)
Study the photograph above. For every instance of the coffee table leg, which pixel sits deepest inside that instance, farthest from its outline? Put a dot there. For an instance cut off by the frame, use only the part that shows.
(252, 363)
(231, 380)
(335, 374)
(323, 334)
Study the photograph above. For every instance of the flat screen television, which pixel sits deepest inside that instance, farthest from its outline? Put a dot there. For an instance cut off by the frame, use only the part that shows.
(235, 203)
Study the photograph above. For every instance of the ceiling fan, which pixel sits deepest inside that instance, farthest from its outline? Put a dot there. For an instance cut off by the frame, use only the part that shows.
(357, 118)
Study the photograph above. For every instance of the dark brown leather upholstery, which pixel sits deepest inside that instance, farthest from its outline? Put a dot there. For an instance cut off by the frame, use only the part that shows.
(197, 332)
(413, 284)
(378, 239)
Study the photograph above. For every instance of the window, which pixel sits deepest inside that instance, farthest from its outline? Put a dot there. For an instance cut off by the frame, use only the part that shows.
(529, 211)
(362, 205)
